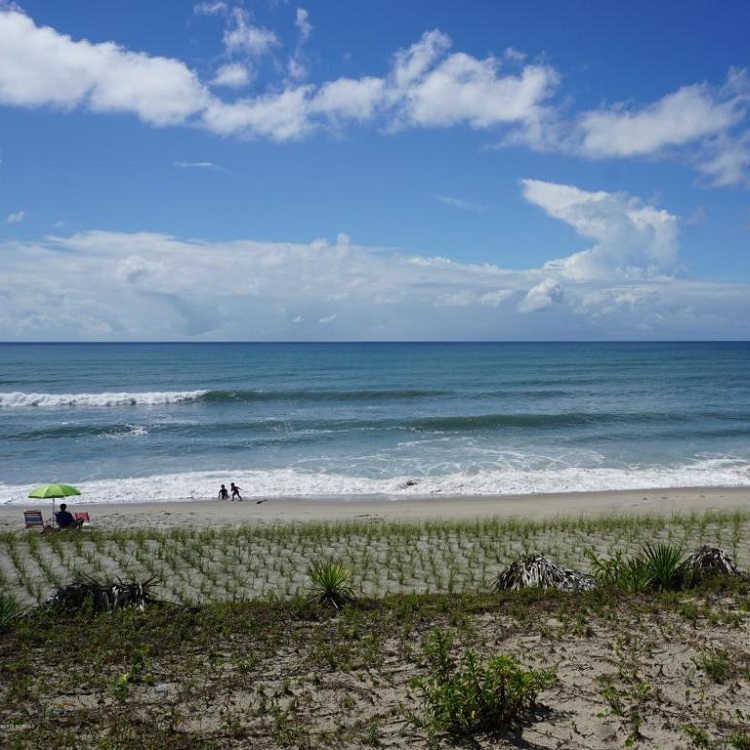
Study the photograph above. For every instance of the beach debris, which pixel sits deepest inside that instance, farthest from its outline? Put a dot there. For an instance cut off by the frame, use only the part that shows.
(104, 596)
(710, 561)
(536, 571)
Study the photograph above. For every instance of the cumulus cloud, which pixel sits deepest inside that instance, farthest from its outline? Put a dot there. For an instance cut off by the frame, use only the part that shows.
(632, 240)
(685, 116)
(435, 89)
(40, 67)
(427, 85)
(109, 285)
(541, 296)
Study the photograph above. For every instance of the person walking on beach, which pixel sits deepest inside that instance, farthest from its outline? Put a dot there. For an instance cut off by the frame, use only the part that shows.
(235, 491)
(223, 493)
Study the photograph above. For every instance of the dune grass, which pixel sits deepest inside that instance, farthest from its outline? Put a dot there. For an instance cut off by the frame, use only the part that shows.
(252, 562)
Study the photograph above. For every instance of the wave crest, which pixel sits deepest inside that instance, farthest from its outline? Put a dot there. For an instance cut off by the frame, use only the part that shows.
(56, 400)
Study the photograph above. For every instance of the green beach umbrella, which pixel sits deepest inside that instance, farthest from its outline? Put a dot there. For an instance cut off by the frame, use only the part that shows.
(47, 491)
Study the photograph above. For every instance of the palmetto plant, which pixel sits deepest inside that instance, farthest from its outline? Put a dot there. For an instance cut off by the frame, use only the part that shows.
(330, 583)
(663, 567)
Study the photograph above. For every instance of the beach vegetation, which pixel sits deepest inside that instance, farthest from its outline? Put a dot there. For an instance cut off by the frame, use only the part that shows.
(739, 740)
(330, 583)
(463, 696)
(280, 672)
(10, 610)
(716, 664)
(658, 567)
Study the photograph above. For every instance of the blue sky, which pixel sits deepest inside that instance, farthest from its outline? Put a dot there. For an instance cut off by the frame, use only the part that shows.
(396, 171)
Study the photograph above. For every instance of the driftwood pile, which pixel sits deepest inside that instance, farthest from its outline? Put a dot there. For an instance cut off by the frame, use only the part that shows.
(707, 561)
(537, 571)
(104, 596)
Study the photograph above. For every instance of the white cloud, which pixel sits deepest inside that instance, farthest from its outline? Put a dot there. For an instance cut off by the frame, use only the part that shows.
(541, 296)
(727, 161)
(232, 75)
(39, 67)
(199, 165)
(15, 218)
(349, 98)
(241, 36)
(297, 66)
(280, 117)
(302, 22)
(431, 89)
(685, 116)
(633, 240)
(427, 86)
(210, 8)
(109, 285)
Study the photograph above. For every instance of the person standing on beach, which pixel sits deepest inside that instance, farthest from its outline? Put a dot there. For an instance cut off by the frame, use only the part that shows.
(223, 493)
(235, 491)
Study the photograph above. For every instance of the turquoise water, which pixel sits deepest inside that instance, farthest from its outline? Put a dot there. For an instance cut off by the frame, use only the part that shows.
(170, 421)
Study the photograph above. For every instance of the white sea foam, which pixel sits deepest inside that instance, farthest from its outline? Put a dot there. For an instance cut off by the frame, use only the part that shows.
(57, 400)
(725, 472)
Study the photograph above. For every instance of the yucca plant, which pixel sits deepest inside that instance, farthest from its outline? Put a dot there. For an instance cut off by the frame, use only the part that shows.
(330, 583)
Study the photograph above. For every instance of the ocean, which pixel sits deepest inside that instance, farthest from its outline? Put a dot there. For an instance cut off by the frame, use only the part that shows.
(156, 422)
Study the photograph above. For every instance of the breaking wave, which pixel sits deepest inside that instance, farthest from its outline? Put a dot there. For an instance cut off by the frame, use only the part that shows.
(57, 400)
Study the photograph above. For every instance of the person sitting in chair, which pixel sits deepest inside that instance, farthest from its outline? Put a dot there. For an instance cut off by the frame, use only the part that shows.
(65, 519)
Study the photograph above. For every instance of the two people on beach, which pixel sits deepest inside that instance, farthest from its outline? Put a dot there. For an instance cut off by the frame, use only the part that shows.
(224, 493)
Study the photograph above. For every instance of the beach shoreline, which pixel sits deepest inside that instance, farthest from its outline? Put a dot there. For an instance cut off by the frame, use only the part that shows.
(213, 512)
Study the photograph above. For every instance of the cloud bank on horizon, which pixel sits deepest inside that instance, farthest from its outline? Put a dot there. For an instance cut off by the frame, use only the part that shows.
(622, 276)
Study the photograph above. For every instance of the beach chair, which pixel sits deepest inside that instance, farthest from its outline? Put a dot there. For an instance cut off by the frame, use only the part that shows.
(33, 519)
(83, 516)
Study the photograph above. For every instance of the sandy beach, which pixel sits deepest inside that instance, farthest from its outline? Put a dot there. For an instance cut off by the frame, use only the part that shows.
(205, 513)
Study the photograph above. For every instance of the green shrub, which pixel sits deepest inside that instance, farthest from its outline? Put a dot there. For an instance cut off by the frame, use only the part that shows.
(657, 568)
(468, 697)
(616, 571)
(330, 583)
